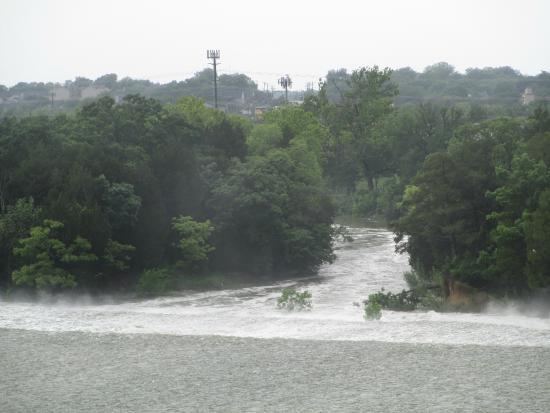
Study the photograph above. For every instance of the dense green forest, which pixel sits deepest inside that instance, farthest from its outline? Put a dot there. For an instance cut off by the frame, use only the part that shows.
(466, 193)
(146, 193)
(94, 199)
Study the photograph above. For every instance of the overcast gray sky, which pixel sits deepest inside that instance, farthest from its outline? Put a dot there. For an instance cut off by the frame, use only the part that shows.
(162, 40)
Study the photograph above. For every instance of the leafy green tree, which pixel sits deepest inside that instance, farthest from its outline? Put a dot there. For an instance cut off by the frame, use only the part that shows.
(117, 256)
(537, 242)
(121, 203)
(367, 102)
(445, 210)
(108, 80)
(46, 260)
(274, 215)
(506, 255)
(263, 138)
(476, 211)
(193, 242)
(439, 71)
(15, 223)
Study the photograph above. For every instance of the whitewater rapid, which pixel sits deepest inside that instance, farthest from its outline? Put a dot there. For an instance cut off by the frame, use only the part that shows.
(364, 266)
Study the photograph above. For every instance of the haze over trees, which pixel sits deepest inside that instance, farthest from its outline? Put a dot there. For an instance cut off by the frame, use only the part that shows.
(465, 192)
(491, 91)
(236, 92)
(149, 191)
(92, 199)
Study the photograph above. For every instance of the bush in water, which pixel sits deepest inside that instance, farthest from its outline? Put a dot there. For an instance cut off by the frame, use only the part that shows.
(291, 300)
(403, 301)
(373, 310)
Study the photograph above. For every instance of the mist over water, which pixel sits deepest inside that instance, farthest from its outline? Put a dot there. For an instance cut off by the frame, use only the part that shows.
(233, 351)
(363, 266)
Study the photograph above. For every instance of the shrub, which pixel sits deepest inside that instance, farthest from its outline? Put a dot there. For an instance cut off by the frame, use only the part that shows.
(155, 281)
(291, 300)
(403, 301)
(373, 310)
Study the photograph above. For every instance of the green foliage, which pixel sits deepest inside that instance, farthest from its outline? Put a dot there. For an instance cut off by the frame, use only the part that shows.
(379, 201)
(469, 211)
(536, 227)
(46, 260)
(263, 138)
(293, 300)
(193, 240)
(434, 301)
(15, 223)
(373, 310)
(116, 175)
(420, 297)
(365, 200)
(465, 195)
(276, 216)
(356, 148)
(446, 207)
(403, 301)
(121, 203)
(117, 256)
(497, 89)
(155, 281)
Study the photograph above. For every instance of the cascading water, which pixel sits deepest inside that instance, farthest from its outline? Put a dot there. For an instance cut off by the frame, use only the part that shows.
(364, 266)
(233, 351)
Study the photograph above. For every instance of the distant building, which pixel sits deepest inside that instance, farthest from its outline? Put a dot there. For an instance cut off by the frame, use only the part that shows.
(528, 96)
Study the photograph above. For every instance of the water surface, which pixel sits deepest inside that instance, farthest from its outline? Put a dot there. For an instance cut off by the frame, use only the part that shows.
(232, 350)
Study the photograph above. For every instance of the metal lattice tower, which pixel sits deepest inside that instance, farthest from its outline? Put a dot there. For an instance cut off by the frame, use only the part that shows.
(214, 55)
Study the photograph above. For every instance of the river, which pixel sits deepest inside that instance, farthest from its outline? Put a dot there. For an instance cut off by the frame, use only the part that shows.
(232, 350)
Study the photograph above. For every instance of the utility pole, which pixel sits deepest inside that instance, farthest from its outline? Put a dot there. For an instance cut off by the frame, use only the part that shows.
(286, 83)
(214, 55)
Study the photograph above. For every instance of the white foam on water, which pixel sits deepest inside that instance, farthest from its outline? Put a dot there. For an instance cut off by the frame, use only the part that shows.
(362, 267)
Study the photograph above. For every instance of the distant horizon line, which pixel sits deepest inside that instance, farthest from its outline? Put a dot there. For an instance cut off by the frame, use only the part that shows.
(250, 74)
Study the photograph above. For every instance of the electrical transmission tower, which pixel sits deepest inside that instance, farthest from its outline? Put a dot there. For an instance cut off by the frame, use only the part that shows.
(286, 83)
(214, 55)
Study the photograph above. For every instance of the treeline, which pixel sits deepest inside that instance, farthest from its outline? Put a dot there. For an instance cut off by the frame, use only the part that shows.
(236, 92)
(468, 195)
(479, 211)
(93, 200)
(491, 91)
(116, 195)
